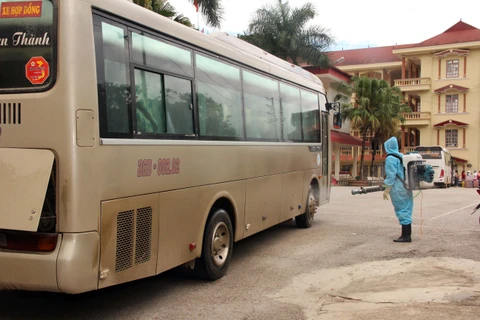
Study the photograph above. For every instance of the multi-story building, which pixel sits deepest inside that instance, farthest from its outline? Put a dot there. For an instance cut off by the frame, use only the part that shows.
(440, 81)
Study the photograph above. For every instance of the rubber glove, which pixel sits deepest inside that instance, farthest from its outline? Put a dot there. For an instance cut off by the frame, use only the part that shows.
(386, 192)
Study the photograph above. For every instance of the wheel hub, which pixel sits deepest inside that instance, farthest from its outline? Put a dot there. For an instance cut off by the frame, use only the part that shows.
(220, 244)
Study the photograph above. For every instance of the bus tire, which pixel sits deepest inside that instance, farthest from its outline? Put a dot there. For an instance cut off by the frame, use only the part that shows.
(217, 247)
(305, 220)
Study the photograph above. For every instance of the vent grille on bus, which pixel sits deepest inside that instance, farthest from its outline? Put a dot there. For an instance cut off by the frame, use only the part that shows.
(134, 238)
(10, 113)
(124, 251)
(143, 238)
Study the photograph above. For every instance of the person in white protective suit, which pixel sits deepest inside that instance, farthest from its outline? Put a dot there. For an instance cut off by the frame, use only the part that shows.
(402, 199)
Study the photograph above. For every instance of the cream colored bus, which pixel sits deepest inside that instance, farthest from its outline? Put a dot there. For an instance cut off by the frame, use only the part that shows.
(130, 145)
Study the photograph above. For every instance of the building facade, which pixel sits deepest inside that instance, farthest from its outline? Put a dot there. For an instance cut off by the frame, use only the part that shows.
(440, 81)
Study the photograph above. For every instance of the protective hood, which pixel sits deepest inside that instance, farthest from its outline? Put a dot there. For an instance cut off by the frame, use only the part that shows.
(391, 147)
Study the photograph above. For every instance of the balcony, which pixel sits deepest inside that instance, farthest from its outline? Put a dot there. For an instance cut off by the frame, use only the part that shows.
(413, 84)
(409, 149)
(416, 118)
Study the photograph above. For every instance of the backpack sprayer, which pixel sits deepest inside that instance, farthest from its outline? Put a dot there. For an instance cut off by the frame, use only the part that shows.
(415, 170)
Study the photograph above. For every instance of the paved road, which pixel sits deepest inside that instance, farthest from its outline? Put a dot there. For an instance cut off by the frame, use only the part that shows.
(344, 267)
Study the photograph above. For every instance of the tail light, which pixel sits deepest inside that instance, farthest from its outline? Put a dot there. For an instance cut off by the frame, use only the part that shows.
(28, 241)
(442, 173)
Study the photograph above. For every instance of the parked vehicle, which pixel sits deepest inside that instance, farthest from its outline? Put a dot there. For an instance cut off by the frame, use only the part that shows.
(441, 161)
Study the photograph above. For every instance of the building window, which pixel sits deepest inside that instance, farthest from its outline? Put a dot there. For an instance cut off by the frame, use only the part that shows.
(451, 138)
(452, 68)
(451, 103)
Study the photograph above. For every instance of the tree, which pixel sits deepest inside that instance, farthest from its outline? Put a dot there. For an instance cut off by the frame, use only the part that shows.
(375, 111)
(282, 31)
(165, 9)
(211, 10)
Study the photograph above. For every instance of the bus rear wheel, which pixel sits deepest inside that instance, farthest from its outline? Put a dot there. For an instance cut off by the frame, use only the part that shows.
(217, 247)
(305, 220)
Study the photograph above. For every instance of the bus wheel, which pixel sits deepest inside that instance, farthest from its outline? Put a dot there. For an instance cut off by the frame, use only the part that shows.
(217, 247)
(305, 219)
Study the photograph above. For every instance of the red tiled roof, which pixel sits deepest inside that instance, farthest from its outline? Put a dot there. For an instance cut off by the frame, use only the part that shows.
(334, 71)
(460, 160)
(451, 87)
(451, 122)
(366, 55)
(345, 138)
(458, 33)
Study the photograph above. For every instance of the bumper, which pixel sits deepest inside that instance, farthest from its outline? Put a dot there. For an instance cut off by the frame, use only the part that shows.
(71, 268)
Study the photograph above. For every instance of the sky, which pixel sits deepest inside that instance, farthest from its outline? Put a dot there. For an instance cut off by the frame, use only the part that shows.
(356, 24)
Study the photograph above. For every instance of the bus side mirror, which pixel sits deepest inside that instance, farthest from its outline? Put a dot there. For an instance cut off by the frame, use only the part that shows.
(337, 120)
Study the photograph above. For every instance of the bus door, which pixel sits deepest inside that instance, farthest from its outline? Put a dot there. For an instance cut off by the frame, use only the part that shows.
(324, 181)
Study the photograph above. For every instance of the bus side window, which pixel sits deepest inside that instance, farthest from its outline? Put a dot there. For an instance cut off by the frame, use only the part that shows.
(178, 100)
(291, 112)
(219, 98)
(113, 83)
(262, 99)
(149, 103)
(310, 116)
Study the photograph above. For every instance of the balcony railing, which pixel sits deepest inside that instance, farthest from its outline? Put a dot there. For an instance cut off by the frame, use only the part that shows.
(413, 84)
(416, 115)
(409, 149)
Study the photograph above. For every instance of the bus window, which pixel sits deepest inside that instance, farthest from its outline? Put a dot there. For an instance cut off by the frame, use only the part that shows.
(115, 79)
(27, 46)
(310, 117)
(291, 110)
(163, 104)
(219, 98)
(262, 112)
(161, 55)
(178, 104)
(150, 102)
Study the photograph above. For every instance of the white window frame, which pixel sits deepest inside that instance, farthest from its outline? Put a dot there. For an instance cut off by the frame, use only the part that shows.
(451, 138)
(451, 103)
(453, 67)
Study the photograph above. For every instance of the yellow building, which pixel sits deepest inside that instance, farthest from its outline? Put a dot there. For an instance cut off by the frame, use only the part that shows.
(440, 80)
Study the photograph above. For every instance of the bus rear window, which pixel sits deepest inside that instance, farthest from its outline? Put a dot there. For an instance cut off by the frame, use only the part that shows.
(429, 153)
(27, 51)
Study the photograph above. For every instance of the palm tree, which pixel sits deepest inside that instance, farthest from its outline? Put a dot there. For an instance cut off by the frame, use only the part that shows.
(282, 31)
(375, 111)
(390, 119)
(211, 10)
(164, 8)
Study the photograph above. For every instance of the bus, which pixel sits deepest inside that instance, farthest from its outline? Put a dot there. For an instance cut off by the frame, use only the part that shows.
(441, 161)
(131, 145)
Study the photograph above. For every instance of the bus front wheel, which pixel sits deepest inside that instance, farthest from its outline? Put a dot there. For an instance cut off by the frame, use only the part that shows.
(217, 247)
(305, 220)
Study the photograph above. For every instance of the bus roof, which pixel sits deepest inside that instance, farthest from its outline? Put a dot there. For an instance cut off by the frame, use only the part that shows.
(262, 54)
(231, 48)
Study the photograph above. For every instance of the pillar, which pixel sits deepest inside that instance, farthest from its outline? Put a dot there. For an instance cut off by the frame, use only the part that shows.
(355, 156)
(337, 161)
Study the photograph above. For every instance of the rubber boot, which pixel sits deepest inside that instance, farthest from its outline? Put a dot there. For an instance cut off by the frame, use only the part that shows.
(406, 234)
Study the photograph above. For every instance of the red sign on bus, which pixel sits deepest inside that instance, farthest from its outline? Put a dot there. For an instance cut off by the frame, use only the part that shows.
(22, 9)
(37, 70)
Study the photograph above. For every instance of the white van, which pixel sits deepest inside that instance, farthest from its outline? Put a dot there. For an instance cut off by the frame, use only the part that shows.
(441, 161)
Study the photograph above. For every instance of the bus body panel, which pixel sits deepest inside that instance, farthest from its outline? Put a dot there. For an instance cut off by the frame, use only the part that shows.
(292, 195)
(262, 206)
(25, 174)
(78, 261)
